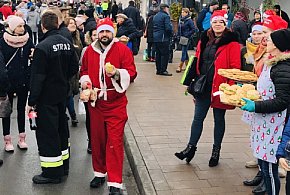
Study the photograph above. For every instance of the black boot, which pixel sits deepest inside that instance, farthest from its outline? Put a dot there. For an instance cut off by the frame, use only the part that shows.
(115, 191)
(89, 149)
(215, 156)
(97, 182)
(260, 189)
(256, 181)
(1, 162)
(39, 179)
(187, 153)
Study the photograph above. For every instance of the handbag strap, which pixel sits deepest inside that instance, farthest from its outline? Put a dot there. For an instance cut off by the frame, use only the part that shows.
(212, 63)
(12, 57)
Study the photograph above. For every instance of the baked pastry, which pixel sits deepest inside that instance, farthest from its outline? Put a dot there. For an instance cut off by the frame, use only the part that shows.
(234, 100)
(109, 67)
(223, 86)
(231, 90)
(85, 95)
(248, 87)
(253, 95)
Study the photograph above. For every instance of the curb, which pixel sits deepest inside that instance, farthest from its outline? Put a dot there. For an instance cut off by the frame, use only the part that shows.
(137, 164)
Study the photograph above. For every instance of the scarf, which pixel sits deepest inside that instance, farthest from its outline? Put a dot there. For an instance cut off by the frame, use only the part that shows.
(259, 57)
(16, 41)
(251, 48)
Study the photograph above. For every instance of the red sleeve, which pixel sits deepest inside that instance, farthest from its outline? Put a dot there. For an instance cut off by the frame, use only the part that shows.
(84, 65)
(128, 63)
(235, 58)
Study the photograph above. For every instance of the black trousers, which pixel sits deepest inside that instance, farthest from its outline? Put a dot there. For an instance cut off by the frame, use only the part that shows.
(162, 56)
(88, 122)
(52, 139)
(22, 93)
(288, 183)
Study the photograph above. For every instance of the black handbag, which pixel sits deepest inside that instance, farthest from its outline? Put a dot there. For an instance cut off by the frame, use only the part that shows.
(5, 107)
(197, 86)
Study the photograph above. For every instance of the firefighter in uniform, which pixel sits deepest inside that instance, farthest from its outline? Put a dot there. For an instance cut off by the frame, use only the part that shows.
(54, 63)
(108, 115)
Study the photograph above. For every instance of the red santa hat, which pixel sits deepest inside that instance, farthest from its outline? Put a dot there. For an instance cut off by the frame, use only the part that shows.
(105, 24)
(268, 13)
(275, 22)
(219, 15)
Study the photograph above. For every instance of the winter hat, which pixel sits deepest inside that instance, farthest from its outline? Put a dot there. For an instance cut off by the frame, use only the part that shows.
(79, 20)
(257, 28)
(219, 15)
(268, 13)
(14, 21)
(275, 22)
(281, 39)
(212, 3)
(89, 13)
(105, 24)
(122, 16)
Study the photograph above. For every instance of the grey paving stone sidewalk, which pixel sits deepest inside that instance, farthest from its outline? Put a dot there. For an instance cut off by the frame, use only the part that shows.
(160, 117)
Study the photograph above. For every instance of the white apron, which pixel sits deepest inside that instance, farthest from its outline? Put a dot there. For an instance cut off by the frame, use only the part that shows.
(267, 129)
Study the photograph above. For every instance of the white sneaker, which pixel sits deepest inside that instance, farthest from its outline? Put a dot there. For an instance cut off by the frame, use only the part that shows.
(251, 164)
(282, 172)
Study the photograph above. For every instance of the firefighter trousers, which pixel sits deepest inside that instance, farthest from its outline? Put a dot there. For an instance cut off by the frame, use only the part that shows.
(52, 136)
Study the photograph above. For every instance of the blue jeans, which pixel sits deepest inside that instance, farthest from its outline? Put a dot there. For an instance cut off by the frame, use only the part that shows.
(151, 50)
(202, 106)
(184, 54)
(271, 177)
(71, 107)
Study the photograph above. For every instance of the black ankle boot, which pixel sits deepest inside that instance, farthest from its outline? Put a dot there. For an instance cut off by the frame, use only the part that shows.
(215, 156)
(256, 181)
(260, 189)
(187, 153)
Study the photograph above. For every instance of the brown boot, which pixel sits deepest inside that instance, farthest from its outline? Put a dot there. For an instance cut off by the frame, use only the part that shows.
(186, 63)
(179, 69)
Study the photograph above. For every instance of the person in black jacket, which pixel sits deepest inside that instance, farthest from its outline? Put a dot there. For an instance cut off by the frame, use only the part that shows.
(4, 84)
(149, 35)
(272, 112)
(54, 63)
(16, 47)
(282, 14)
(125, 27)
(132, 12)
(162, 31)
(90, 20)
(114, 11)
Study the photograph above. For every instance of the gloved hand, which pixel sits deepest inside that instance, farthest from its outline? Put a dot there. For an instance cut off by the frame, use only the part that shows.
(249, 106)
(240, 84)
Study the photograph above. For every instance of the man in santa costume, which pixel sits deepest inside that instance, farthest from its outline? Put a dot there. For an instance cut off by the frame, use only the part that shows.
(108, 115)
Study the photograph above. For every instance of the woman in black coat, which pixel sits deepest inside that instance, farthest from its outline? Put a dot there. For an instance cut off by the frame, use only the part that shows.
(125, 27)
(16, 47)
(149, 35)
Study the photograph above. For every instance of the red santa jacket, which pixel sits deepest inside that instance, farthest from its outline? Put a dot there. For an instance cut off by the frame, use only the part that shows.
(92, 69)
(229, 57)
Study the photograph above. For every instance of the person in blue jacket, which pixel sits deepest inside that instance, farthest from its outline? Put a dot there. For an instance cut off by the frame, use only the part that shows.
(281, 155)
(185, 30)
(203, 20)
(162, 31)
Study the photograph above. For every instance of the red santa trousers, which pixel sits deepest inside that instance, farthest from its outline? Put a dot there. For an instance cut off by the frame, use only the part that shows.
(108, 121)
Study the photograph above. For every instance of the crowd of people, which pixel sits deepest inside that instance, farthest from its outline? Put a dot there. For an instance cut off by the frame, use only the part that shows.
(50, 50)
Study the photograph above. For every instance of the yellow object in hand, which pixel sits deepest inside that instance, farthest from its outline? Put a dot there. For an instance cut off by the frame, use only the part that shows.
(109, 67)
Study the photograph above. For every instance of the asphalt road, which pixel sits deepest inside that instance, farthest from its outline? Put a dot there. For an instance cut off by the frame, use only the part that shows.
(19, 168)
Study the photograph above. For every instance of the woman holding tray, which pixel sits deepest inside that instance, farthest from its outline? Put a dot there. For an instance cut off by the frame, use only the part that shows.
(269, 118)
(217, 49)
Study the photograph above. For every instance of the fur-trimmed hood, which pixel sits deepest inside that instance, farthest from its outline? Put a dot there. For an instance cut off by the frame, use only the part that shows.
(273, 60)
(227, 38)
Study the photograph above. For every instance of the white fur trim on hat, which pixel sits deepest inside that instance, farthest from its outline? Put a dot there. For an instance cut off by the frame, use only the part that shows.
(224, 18)
(105, 27)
